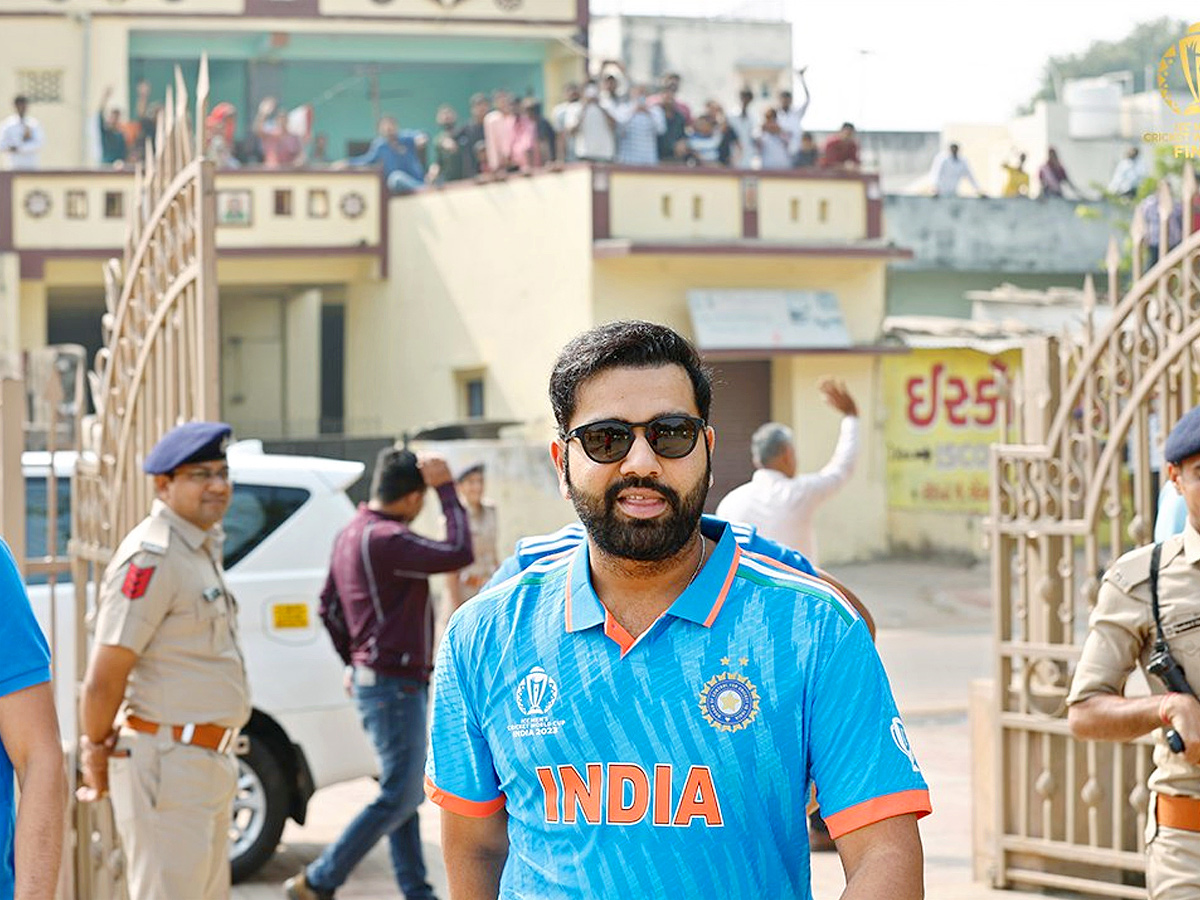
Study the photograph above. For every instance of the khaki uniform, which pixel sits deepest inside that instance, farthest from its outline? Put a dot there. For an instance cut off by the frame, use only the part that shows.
(164, 597)
(484, 535)
(1120, 637)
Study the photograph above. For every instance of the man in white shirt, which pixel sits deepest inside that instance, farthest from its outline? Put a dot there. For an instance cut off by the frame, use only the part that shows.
(948, 170)
(791, 118)
(779, 502)
(592, 127)
(743, 126)
(21, 136)
(1128, 175)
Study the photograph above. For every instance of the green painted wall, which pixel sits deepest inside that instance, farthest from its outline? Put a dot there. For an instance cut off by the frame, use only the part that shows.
(338, 74)
(943, 293)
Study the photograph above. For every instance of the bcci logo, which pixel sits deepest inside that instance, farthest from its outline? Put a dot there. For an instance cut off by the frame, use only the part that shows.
(1179, 73)
(729, 701)
(536, 693)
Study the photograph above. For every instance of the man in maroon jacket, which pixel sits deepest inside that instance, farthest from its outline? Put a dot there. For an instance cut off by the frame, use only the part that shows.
(377, 610)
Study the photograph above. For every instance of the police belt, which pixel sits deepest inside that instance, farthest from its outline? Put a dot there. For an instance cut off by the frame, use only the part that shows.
(206, 735)
(1178, 812)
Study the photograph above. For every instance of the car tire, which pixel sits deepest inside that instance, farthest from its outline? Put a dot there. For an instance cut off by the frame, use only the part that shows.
(260, 809)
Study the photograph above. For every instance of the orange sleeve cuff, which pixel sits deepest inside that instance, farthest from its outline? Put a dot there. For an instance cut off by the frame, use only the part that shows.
(877, 809)
(463, 807)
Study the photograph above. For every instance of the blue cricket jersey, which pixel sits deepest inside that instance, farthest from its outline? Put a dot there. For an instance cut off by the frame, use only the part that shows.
(24, 663)
(677, 764)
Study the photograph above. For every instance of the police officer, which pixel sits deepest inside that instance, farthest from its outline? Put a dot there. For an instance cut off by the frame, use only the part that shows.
(166, 657)
(1121, 636)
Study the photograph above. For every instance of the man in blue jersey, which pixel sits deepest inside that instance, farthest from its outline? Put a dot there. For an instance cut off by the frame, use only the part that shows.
(643, 716)
(30, 842)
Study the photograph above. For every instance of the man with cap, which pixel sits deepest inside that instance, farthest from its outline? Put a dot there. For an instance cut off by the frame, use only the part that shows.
(165, 691)
(1122, 636)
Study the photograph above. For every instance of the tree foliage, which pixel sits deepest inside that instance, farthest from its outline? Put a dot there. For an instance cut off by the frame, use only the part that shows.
(1138, 52)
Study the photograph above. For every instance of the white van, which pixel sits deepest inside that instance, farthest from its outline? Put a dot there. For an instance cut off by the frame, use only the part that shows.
(304, 732)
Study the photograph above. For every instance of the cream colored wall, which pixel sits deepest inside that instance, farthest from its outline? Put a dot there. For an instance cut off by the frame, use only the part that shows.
(666, 207)
(45, 42)
(10, 304)
(916, 532)
(495, 277)
(656, 286)
(853, 523)
(33, 314)
(302, 366)
(303, 228)
(809, 209)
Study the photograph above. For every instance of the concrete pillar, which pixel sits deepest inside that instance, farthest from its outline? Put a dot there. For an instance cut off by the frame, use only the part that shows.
(33, 315)
(302, 364)
(10, 303)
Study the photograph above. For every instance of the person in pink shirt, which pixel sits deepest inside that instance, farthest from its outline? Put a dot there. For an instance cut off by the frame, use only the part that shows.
(280, 148)
(498, 128)
(525, 152)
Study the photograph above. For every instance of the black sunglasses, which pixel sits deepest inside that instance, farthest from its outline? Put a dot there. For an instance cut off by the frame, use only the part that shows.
(609, 440)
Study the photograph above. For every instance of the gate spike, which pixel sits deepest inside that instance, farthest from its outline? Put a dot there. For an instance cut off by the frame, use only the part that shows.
(201, 102)
(1165, 204)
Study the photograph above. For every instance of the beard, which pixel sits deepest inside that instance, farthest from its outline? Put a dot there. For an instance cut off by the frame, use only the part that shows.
(640, 540)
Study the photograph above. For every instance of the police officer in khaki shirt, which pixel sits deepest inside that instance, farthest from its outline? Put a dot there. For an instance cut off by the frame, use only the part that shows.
(1121, 636)
(166, 657)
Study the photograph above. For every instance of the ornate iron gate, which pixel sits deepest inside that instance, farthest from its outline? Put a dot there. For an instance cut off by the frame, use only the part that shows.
(1070, 493)
(158, 368)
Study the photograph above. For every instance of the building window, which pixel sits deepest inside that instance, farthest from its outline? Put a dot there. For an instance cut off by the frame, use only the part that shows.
(77, 204)
(114, 204)
(283, 203)
(318, 203)
(473, 397)
(41, 85)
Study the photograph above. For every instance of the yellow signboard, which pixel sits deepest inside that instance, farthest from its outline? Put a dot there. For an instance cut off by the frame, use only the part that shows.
(289, 615)
(943, 411)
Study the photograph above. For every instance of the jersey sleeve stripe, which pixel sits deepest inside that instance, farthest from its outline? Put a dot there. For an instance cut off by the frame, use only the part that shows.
(733, 567)
(476, 809)
(805, 578)
(877, 809)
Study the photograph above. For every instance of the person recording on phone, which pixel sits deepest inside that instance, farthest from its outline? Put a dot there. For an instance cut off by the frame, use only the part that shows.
(1147, 614)
(21, 136)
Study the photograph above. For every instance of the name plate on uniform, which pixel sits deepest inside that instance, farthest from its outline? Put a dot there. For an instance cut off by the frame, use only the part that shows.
(290, 615)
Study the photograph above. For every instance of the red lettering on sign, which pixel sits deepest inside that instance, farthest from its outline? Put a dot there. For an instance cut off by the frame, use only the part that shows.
(961, 402)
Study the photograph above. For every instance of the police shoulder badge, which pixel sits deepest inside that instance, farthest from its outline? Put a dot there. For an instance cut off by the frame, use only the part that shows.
(137, 579)
(729, 701)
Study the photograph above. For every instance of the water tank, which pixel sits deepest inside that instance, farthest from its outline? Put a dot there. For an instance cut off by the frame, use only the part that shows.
(1093, 108)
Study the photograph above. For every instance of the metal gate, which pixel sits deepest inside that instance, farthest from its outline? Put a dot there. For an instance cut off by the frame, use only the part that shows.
(1071, 492)
(158, 368)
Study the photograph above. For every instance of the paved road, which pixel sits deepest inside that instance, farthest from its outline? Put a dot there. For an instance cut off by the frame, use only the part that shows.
(934, 636)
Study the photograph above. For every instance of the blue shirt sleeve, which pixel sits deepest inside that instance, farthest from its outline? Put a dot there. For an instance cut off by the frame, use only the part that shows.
(777, 551)
(859, 756)
(26, 657)
(370, 157)
(1172, 513)
(507, 570)
(459, 771)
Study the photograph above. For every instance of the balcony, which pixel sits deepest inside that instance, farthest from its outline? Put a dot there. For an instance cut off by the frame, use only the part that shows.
(49, 214)
(652, 210)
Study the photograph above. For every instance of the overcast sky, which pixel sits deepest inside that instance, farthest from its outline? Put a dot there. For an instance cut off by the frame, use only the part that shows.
(928, 62)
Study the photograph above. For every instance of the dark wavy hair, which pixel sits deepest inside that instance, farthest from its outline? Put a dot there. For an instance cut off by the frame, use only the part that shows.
(629, 343)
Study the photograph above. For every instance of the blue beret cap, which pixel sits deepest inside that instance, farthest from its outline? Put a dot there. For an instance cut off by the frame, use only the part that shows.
(1184, 439)
(191, 442)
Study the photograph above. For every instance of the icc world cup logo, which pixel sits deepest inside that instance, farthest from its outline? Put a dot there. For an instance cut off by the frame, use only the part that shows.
(1179, 73)
(536, 693)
